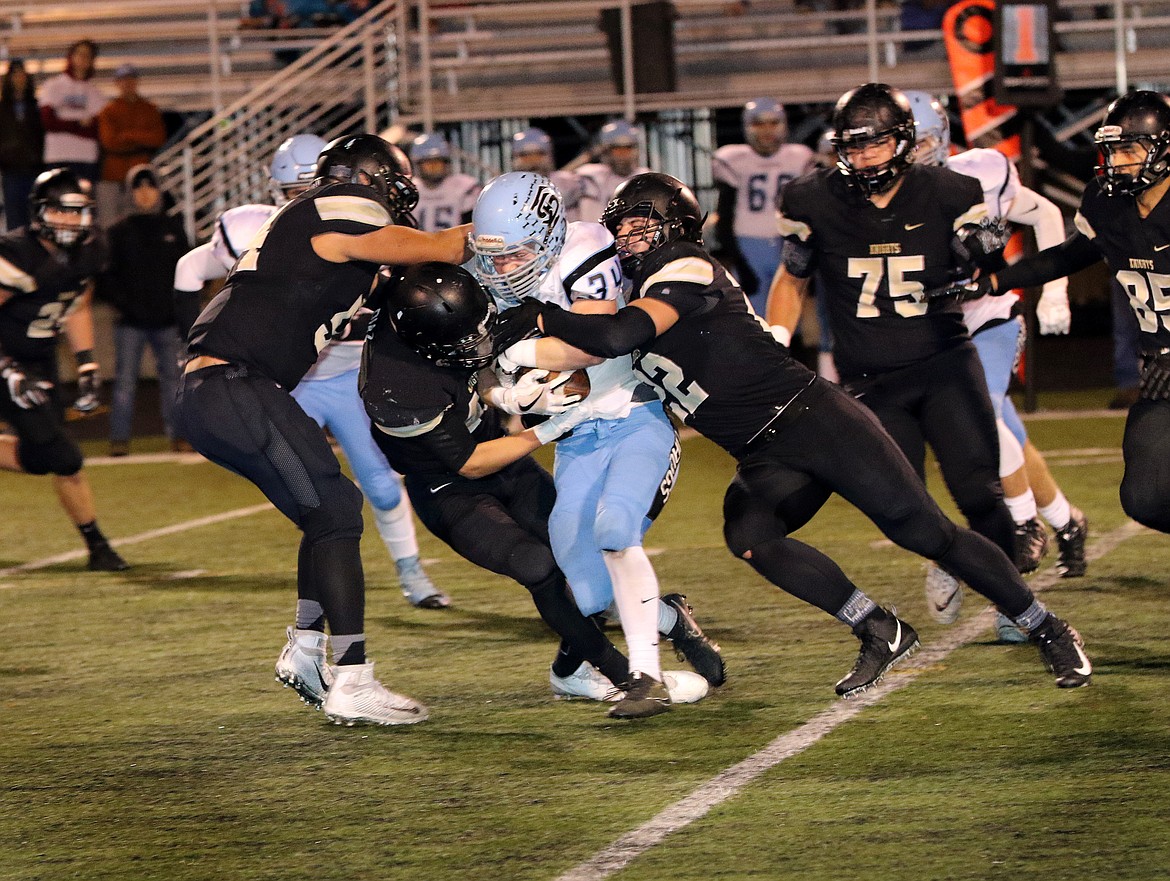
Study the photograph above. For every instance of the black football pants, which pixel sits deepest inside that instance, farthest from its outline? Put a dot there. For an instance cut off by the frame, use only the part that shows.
(1145, 486)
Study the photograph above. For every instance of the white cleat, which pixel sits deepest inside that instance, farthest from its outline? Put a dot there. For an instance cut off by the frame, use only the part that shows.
(944, 594)
(302, 666)
(589, 683)
(356, 697)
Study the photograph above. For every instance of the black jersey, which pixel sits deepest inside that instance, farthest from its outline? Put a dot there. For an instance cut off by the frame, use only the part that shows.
(718, 368)
(427, 419)
(43, 288)
(876, 263)
(1138, 251)
(282, 303)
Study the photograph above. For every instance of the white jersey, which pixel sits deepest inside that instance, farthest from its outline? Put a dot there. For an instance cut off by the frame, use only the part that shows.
(1007, 199)
(443, 205)
(73, 101)
(757, 180)
(589, 269)
(598, 181)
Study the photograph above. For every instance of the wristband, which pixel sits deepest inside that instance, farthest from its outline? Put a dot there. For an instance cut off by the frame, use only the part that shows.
(85, 356)
(522, 353)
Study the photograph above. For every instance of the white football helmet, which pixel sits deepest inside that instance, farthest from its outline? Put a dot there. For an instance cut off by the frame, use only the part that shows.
(933, 128)
(294, 166)
(518, 232)
(765, 125)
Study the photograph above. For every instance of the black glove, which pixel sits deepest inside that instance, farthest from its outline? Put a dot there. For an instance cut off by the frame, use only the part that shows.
(971, 290)
(749, 282)
(516, 324)
(25, 391)
(980, 246)
(89, 380)
(1155, 382)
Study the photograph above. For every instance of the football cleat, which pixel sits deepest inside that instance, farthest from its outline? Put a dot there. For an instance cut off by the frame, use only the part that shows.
(103, 558)
(645, 696)
(356, 697)
(417, 586)
(1007, 631)
(944, 594)
(1070, 543)
(590, 683)
(885, 641)
(1031, 545)
(692, 645)
(1062, 649)
(302, 666)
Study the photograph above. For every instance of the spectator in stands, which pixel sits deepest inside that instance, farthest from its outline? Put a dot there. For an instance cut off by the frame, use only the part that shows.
(130, 129)
(70, 104)
(143, 250)
(22, 142)
(351, 10)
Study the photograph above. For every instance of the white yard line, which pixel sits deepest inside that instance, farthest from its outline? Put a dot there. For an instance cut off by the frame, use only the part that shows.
(186, 525)
(727, 784)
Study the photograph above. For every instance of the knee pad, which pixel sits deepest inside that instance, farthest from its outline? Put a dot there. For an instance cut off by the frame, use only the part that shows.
(1011, 454)
(618, 526)
(976, 498)
(339, 515)
(384, 491)
(532, 564)
(1143, 503)
(60, 456)
(744, 529)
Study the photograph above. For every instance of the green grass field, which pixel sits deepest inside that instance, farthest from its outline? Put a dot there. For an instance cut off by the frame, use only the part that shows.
(142, 735)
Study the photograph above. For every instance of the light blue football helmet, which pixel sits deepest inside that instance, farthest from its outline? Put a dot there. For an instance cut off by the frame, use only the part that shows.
(532, 150)
(426, 147)
(933, 128)
(518, 230)
(294, 166)
(618, 133)
(760, 110)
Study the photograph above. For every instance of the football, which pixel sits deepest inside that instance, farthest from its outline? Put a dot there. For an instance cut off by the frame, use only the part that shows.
(578, 383)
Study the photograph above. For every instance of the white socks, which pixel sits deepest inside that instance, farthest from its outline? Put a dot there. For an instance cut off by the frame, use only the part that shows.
(1058, 513)
(635, 590)
(396, 527)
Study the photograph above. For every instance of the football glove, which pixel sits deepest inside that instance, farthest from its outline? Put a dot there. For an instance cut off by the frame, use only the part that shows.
(1052, 313)
(89, 380)
(515, 324)
(1155, 382)
(531, 393)
(969, 290)
(25, 391)
(561, 424)
(980, 245)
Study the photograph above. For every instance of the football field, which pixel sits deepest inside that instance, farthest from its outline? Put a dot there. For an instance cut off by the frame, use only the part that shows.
(142, 735)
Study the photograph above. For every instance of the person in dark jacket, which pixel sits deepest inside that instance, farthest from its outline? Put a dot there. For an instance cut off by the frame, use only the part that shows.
(22, 142)
(143, 250)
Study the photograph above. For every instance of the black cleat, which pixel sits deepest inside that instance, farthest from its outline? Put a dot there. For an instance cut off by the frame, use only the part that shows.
(1061, 647)
(645, 697)
(1070, 543)
(1031, 545)
(103, 558)
(885, 640)
(692, 645)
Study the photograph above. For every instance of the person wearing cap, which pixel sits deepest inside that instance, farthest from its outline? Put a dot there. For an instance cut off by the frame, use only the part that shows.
(144, 248)
(69, 105)
(131, 130)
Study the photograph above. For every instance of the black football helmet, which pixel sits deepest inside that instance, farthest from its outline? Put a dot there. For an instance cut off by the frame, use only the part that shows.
(657, 197)
(372, 162)
(870, 113)
(62, 190)
(444, 314)
(1136, 118)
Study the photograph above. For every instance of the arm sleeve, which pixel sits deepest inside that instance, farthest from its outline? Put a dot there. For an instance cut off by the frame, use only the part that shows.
(197, 266)
(725, 222)
(604, 336)
(1075, 253)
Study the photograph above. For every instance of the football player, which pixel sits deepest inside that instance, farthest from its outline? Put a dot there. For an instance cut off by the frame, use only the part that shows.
(445, 198)
(619, 144)
(797, 438)
(748, 178)
(997, 329)
(617, 467)
(532, 150)
(297, 286)
(882, 230)
(474, 486)
(46, 285)
(328, 392)
(1123, 220)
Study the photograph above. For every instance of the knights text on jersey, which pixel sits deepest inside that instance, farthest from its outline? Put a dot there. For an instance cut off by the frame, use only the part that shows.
(43, 291)
(1138, 251)
(757, 181)
(282, 303)
(877, 263)
(718, 368)
(444, 205)
(426, 419)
